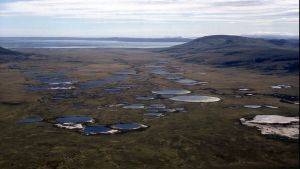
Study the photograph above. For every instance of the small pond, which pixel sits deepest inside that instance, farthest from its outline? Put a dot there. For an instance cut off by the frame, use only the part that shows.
(196, 98)
(171, 92)
(128, 126)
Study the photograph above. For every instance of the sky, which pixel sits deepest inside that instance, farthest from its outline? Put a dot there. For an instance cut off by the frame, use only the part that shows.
(147, 18)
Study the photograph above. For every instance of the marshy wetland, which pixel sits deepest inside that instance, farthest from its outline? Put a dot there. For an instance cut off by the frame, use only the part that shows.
(135, 108)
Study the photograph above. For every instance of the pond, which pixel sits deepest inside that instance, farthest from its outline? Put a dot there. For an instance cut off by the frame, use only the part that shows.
(271, 107)
(171, 92)
(128, 126)
(74, 119)
(189, 82)
(195, 99)
(50, 81)
(69, 126)
(252, 106)
(98, 129)
(134, 106)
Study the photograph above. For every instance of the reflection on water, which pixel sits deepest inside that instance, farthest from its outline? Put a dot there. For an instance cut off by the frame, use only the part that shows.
(74, 119)
(98, 83)
(128, 126)
(172, 92)
(99, 129)
(196, 98)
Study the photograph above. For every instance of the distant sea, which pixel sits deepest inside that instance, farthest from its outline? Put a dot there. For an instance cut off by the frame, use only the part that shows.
(9, 42)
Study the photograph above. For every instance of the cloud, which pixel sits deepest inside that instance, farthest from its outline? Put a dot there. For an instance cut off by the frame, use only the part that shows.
(241, 3)
(158, 10)
(147, 17)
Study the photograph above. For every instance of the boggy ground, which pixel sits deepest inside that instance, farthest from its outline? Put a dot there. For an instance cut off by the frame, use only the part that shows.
(208, 135)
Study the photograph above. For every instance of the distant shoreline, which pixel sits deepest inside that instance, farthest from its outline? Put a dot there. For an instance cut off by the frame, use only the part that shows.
(71, 43)
(121, 39)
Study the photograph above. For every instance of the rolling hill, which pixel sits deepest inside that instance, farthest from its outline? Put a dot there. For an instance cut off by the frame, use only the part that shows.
(7, 55)
(268, 55)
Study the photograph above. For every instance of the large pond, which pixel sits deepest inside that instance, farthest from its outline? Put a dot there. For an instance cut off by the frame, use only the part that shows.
(101, 82)
(98, 129)
(74, 119)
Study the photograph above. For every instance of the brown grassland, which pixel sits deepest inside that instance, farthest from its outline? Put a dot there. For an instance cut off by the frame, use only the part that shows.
(208, 135)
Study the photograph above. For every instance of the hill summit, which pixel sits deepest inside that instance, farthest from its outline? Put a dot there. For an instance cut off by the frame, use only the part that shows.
(269, 55)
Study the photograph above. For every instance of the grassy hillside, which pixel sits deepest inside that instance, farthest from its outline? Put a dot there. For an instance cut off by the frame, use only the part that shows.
(273, 56)
(8, 55)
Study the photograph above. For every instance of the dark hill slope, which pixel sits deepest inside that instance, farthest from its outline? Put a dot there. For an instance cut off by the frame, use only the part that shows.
(273, 56)
(8, 55)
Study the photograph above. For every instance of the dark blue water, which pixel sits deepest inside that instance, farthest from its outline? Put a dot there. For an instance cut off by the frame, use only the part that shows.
(98, 83)
(79, 43)
(74, 119)
(48, 80)
(99, 129)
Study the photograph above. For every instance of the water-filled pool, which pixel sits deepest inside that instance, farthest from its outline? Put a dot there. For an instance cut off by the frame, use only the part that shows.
(171, 92)
(196, 98)
(74, 119)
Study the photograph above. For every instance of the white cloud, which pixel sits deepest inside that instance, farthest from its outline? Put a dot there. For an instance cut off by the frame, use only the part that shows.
(147, 17)
(159, 10)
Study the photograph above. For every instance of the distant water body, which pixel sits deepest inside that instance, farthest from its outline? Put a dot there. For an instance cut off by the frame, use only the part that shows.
(89, 43)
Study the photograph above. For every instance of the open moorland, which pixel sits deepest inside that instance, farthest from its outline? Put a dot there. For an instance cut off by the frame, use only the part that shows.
(100, 83)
